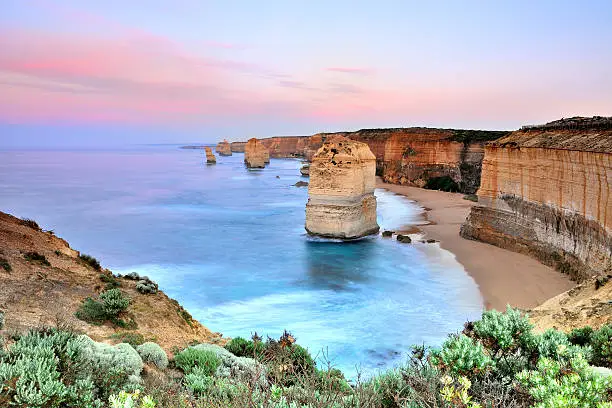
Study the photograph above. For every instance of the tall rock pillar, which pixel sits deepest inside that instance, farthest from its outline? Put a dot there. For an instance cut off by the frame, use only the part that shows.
(341, 202)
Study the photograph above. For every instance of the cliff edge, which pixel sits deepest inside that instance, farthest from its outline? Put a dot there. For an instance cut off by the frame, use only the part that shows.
(545, 191)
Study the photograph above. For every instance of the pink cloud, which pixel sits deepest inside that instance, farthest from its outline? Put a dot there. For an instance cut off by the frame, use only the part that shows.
(351, 70)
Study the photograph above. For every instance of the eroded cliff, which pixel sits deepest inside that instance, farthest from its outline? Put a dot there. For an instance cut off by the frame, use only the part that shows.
(410, 156)
(341, 201)
(546, 192)
(223, 148)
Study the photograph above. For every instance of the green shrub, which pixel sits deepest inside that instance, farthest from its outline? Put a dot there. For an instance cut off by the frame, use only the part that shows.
(43, 369)
(556, 384)
(553, 344)
(114, 302)
(505, 331)
(91, 261)
(1, 319)
(581, 336)
(190, 358)
(146, 286)
(245, 348)
(332, 380)
(36, 257)
(601, 342)
(471, 197)
(131, 338)
(111, 302)
(152, 353)
(110, 280)
(461, 355)
(443, 183)
(4, 264)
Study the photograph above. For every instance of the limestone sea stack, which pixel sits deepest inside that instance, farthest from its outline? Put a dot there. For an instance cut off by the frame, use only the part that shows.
(210, 157)
(255, 154)
(223, 148)
(341, 202)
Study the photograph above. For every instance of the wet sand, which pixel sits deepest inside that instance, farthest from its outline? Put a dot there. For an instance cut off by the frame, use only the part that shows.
(504, 277)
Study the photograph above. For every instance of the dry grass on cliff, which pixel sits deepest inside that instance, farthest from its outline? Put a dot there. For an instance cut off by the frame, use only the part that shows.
(34, 294)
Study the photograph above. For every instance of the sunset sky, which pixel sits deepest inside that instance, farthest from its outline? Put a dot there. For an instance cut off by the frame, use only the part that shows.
(84, 72)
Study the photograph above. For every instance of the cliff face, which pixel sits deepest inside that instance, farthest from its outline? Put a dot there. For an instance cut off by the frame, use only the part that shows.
(237, 147)
(34, 293)
(341, 202)
(255, 154)
(410, 156)
(546, 193)
(223, 148)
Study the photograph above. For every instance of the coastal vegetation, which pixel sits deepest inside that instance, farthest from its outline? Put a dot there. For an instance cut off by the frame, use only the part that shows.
(497, 361)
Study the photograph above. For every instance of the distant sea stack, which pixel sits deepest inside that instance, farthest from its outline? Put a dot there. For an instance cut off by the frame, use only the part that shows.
(223, 148)
(546, 192)
(210, 157)
(256, 155)
(341, 202)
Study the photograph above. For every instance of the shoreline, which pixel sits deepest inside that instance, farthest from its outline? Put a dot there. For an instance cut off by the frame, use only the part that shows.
(503, 277)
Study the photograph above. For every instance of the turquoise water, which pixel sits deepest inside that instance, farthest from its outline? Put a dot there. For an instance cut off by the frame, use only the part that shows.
(229, 244)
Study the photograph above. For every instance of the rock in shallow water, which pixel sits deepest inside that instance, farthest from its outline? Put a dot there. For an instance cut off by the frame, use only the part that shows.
(301, 184)
(387, 234)
(210, 157)
(255, 154)
(404, 239)
(341, 202)
(223, 148)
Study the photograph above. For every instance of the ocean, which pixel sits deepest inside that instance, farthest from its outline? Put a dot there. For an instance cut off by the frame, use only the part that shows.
(229, 244)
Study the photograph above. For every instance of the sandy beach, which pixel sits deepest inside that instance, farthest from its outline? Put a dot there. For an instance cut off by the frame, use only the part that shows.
(504, 277)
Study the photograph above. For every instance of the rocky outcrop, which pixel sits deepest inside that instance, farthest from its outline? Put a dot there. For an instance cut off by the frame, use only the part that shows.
(305, 170)
(410, 156)
(36, 293)
(223, 148)
(210, 157)
(546, 192)
(255, 154)
(237, 147)
(341, 202)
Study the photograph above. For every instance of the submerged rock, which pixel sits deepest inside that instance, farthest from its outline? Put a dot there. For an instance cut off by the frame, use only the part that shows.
(223, 148)
(301, 184)
(387, 234)
(341, 202)
(210, 157)
(255, 154)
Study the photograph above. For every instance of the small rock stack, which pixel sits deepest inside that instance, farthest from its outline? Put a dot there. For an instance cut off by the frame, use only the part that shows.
(210, 157)
(255, 154)
(341, 202)
(223, 148)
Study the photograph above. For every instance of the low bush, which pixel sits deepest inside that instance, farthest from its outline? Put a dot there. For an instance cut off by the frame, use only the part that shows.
(601, 342)
(36, 257)
(4, 264)
(131, 400)
(152, 353)
(206, 361)
(91, 261)
(1, 319)
(461, 355)
(581, 336)
(108, 307)
(146, 286)
(110, 280)
(131, 338)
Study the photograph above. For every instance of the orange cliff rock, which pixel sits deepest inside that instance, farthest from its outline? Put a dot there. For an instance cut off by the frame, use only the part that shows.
(545, 192)
(341, 201)
(210, 157)
(255, 154)
(409, 156)
(223, 148)
(237, 147)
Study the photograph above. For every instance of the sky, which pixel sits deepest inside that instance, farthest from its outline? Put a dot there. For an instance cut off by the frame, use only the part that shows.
(88, 72)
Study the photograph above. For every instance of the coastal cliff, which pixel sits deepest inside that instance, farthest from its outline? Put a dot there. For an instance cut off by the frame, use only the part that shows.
(407, 156)
(545, 191)
(237, 147)
(256, 155)
(44, 281)
(341, 201)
